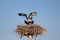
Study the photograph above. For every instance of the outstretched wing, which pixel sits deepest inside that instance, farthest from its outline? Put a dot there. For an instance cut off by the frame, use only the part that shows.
(22, 14)
(33, 13)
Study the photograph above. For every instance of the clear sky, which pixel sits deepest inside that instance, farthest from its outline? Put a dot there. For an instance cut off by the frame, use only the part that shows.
(48, 16)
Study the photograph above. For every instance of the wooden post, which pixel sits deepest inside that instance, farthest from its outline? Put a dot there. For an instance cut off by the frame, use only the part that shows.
(30, 37)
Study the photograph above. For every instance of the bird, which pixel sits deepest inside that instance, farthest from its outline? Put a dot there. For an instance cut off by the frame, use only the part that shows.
(28, 18)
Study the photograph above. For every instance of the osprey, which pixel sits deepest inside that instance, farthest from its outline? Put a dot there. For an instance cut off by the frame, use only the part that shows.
(28, 18)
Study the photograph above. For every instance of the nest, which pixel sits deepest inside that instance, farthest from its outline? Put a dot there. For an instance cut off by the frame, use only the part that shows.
(32, 29)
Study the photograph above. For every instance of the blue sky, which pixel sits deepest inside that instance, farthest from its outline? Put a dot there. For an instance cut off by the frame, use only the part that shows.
(48, 16)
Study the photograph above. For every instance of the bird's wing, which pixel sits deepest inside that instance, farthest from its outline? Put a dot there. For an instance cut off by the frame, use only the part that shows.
(33, 13)
(22, 14)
